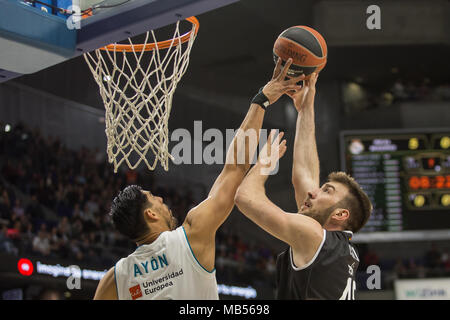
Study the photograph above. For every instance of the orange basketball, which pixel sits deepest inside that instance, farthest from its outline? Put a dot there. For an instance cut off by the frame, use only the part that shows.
(305, 46)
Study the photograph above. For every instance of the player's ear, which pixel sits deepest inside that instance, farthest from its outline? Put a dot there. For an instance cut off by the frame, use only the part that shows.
(151, 215)
(341, 214)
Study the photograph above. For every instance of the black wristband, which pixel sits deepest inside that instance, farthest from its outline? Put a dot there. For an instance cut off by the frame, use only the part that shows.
(261, 99)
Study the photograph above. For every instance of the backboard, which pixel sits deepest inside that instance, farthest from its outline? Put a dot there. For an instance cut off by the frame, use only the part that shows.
(32, 38)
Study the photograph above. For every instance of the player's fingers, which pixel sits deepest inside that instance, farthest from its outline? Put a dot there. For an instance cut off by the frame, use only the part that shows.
(293, 87)
(276, 145)
(296, 79)
(285, 70)
(313, 79)
(291, 93)
(271, 135)
(282, 149)
(277, 69)
(280, 135)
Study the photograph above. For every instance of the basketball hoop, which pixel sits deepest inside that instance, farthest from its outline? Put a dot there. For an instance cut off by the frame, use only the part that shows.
(138, 97)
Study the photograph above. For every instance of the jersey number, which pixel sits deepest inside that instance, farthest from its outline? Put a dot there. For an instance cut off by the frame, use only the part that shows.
(349, 291)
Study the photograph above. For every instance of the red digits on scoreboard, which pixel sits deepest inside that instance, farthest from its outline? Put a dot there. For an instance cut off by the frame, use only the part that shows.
(424, 182)
(440, 181)
(431, 163)
(414, 182)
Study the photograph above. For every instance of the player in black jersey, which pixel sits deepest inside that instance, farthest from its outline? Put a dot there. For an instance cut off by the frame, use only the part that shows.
(320, 262)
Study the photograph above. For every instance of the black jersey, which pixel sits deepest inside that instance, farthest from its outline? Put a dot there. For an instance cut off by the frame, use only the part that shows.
(329, 275)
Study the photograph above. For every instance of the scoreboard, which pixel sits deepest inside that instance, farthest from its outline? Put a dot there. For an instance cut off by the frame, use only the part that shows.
(406, 174)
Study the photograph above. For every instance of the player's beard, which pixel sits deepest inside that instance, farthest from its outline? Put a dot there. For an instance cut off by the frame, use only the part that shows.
(171, 221)
(320, 216)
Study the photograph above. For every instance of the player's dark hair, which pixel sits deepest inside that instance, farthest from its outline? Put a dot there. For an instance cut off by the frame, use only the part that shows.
(356, 202)
(127, 212)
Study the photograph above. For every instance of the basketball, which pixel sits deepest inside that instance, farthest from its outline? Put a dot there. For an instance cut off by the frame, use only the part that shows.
(305, 46)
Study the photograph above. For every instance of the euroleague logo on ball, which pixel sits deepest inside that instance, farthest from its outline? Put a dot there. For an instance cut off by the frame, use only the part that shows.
(291, 51)
(295, 55)
(25, 267)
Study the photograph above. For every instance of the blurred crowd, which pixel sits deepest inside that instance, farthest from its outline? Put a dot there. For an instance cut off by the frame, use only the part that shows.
(431, 263)
(66, 196)
(246, 258)
(424, 90)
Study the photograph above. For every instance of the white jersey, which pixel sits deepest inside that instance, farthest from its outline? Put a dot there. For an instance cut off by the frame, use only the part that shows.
(164, 269)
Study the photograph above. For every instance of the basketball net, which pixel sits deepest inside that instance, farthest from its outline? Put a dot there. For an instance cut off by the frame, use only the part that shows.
(137, 94)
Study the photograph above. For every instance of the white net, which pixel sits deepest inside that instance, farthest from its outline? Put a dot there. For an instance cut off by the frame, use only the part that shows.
(137, 85)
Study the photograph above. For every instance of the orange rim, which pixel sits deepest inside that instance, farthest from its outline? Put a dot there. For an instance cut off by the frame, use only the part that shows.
(150, 46)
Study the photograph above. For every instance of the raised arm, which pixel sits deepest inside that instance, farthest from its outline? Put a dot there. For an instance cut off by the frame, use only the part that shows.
(302, 233)
(203, 221)
(305, 166)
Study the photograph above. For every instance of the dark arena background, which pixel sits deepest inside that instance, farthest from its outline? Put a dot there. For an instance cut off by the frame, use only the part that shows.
(382, 114)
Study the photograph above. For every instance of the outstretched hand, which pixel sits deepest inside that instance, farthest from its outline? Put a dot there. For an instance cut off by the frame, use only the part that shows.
(278, 86)
(273, 150)
(305, 95)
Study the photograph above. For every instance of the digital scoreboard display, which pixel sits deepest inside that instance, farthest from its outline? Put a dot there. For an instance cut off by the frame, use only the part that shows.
(406, 174)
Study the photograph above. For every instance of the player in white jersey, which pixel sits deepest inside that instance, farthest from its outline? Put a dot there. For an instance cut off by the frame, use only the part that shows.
(178, 263)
